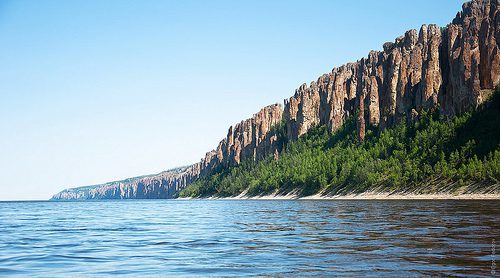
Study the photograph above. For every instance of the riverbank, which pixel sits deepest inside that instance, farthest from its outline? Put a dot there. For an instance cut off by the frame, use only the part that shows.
(364, 196)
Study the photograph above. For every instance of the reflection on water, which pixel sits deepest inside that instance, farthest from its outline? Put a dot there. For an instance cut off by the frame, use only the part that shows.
(226, 238)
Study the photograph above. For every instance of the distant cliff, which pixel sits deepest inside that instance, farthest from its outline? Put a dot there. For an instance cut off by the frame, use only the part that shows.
(452, 68)
(160, 186)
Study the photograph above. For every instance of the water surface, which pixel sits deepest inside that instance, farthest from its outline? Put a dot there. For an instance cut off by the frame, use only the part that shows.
(249, 238)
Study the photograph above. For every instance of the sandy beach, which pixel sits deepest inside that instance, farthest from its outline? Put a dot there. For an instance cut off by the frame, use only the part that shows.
(365, 196)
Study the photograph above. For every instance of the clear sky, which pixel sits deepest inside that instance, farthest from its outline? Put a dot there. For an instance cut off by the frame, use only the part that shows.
(98, 90)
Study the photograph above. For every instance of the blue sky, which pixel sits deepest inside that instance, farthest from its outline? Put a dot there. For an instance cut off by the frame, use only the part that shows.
(94, 91)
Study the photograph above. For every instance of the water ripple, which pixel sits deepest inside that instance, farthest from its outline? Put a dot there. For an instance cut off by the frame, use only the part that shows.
(248, 238)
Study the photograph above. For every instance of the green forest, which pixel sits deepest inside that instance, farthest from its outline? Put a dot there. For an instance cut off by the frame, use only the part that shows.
(433, 154)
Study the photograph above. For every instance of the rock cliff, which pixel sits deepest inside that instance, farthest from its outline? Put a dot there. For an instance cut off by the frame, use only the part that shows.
(452, 69)
(160, 186)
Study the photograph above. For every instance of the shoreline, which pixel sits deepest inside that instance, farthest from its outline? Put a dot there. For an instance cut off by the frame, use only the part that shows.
(361, 196)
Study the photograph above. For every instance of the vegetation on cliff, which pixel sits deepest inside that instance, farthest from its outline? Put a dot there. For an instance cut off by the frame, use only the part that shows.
(432, 154)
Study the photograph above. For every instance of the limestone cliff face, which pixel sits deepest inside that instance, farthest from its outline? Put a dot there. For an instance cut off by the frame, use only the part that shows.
(452, 68)
(160, 186)
(252, 139)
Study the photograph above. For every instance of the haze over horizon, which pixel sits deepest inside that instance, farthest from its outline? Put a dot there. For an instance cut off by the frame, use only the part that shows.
(94, 91)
